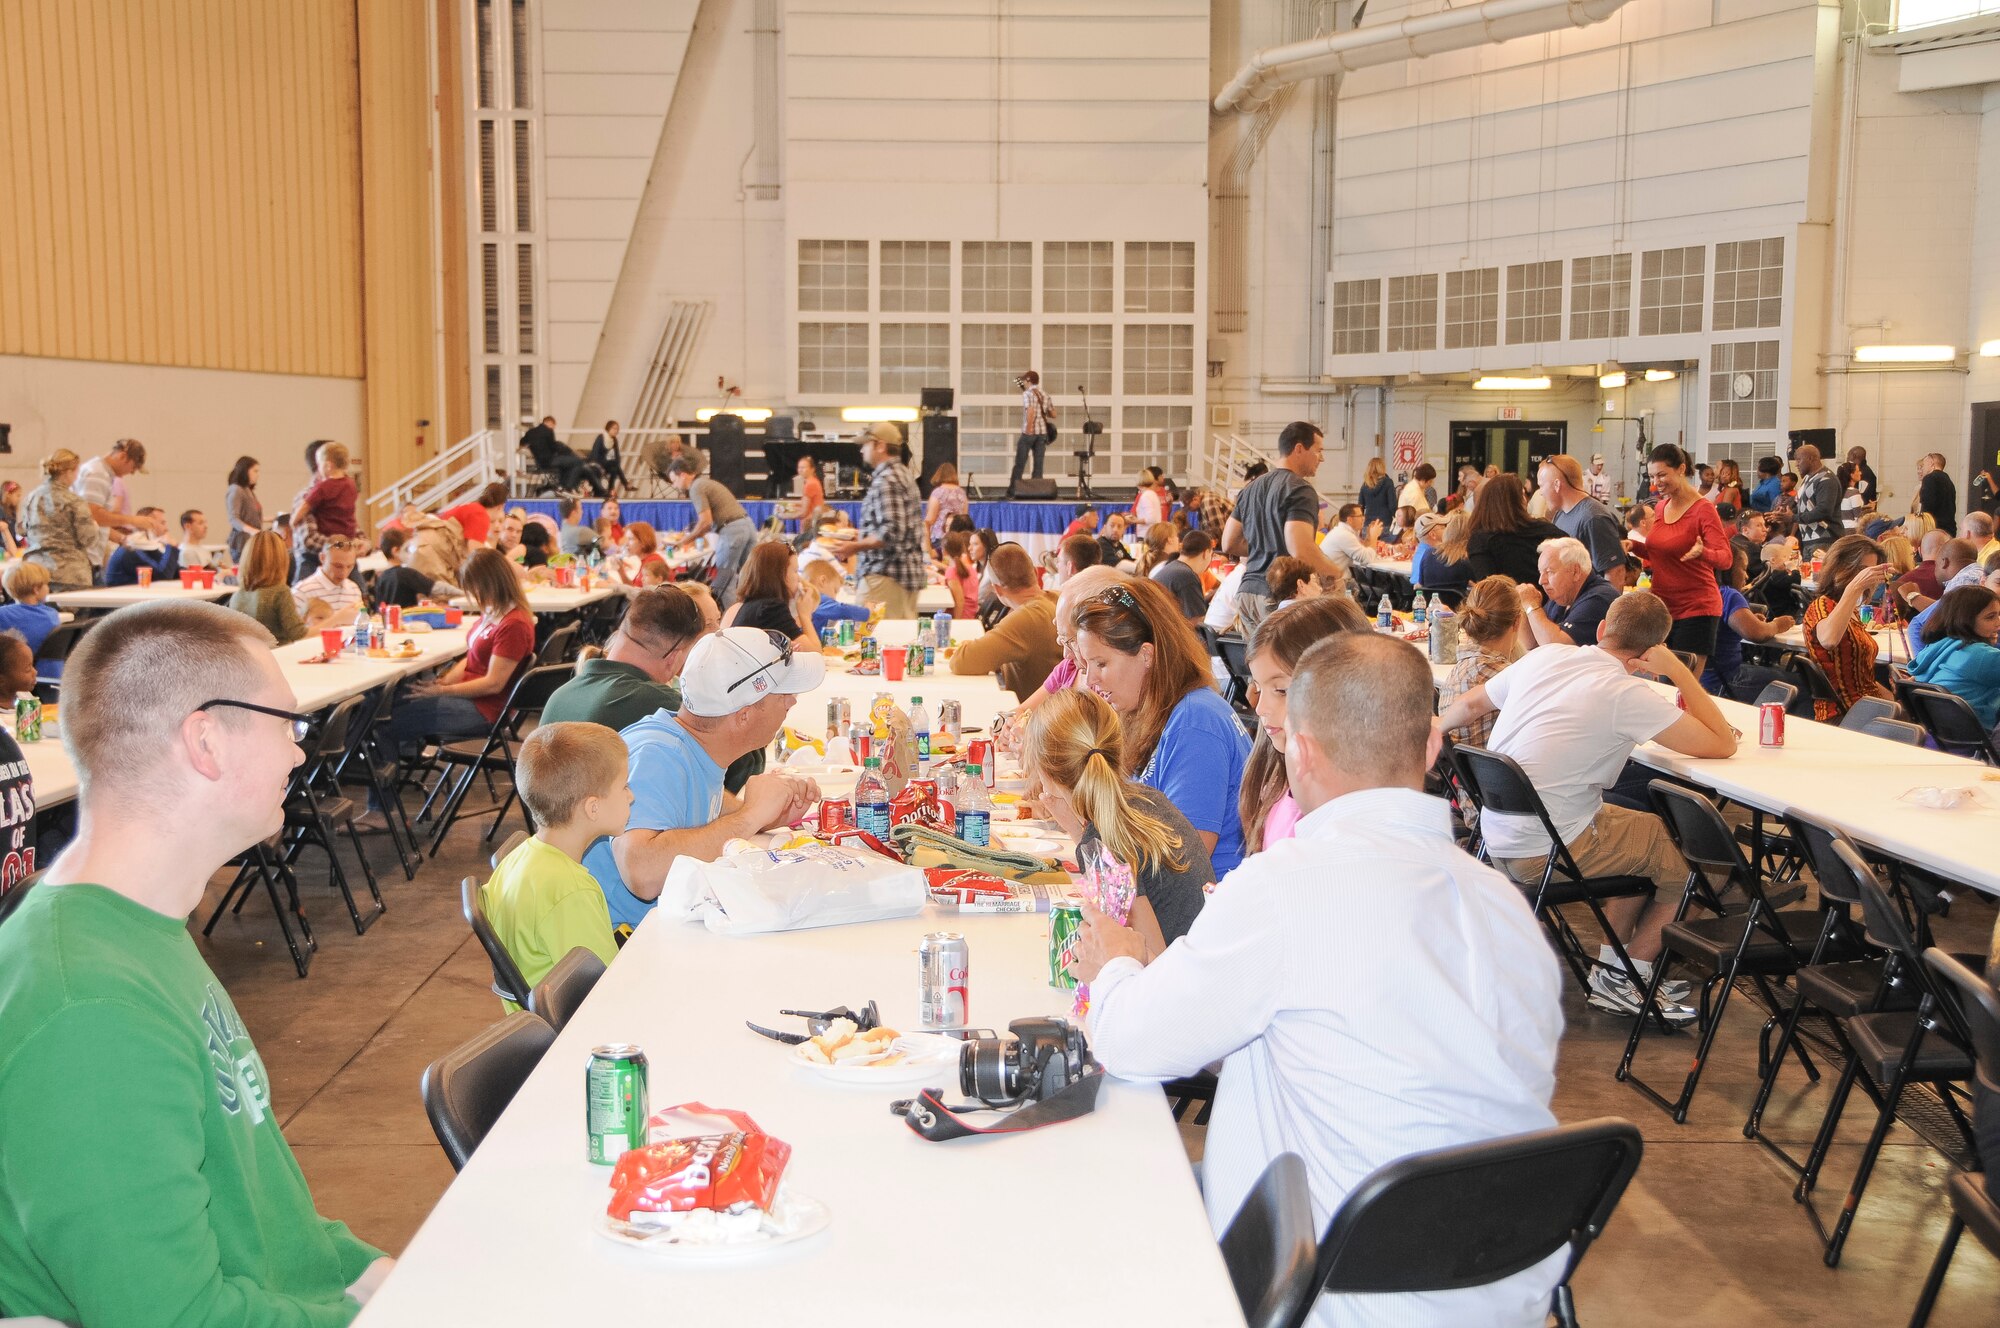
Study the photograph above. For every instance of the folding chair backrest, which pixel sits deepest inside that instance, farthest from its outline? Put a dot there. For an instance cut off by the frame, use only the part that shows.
(507, 979)
(1698, 830)
(1880, 918)
(1818, 686)
(1950, 719)
(1895, 730)
(507, 846)
(1816, 839)
(560, 645)
(1865, 709)
(534, 687)
(1469, 1216)
(1498, 784)
(1208, 637)
(59, 642)
(1235, 652)
(1979, 1003)
(558, 994)
(466, 1089)
(336, 731)
(1782, 693)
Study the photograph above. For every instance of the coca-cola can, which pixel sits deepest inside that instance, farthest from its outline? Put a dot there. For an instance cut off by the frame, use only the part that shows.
(392, 617)
(979, 752)
(1771, 724)
(944, 963)
(835, 814)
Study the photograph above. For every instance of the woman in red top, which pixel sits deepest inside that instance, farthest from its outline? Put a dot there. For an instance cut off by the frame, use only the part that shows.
(476, 517)
(1685, 548)
(1854, 573)
(464, 701)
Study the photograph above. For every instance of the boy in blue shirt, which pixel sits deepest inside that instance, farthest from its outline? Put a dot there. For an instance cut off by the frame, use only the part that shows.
(29, 616)
(824, 577)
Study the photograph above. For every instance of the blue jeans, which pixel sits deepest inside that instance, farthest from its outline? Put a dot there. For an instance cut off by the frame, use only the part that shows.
(1035, 443)
(416, 718)
(733, 543)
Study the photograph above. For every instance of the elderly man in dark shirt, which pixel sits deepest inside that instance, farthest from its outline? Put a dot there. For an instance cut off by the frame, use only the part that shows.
(1577, 597)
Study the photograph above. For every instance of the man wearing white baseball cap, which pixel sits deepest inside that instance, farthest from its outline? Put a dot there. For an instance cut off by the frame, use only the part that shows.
(1595, 482)
(736, 689)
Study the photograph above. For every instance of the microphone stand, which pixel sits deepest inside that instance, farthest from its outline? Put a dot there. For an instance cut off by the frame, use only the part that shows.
(1091, 430)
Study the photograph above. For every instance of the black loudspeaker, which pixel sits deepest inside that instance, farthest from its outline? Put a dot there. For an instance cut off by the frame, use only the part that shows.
(1823, 439)
(940, 447)
(1028, 487)
(725, 452)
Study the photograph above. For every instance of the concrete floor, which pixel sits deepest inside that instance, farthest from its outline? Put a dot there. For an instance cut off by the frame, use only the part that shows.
(1707, 1233)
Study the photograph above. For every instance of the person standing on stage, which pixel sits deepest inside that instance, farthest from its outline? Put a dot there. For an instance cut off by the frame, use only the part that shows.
(1037, 427)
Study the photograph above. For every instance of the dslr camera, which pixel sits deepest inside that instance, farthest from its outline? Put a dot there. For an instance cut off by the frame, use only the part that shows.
(1040, 1059)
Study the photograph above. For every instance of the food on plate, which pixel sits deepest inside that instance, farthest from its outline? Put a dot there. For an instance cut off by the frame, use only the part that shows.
(408, 650)
(378, 652)
(843, 1042)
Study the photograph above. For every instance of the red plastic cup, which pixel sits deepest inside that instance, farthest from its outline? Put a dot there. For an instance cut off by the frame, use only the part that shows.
(563, 576)
(329, 640)
(453, 617)
(207, 578)
(189, 578)
(145, 577)
(893, 659)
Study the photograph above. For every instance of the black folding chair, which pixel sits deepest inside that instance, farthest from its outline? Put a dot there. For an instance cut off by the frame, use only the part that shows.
(1269, 1246)
(265, 863)
(1866, 709)
(1951, 720)
(1783, 693)
(562, 990)
(1817, 686)
(1235, 654)
(466, 1089)
(1895, 730)
(508, 984)
(1759, 943)
(58, 644)
(531, 690)
(599, 619)
(371, 763)
(1972, 1203)
(1893, 1051)
(560, 646)
(1466, 1217)
(1497, 783)
(316, 809)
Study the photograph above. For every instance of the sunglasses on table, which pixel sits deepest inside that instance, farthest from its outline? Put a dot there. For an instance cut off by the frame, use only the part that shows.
(300, 725)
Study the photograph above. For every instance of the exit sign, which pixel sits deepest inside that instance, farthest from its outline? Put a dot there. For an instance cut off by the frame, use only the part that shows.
(1511, 413)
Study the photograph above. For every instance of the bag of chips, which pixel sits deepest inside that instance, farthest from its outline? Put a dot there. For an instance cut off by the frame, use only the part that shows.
(726, 1165)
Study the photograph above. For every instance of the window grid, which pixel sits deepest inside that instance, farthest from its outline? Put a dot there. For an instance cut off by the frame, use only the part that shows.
(916, 277)
(1534, 302)
(998, 277)
(915, 356)
(1356, 311)
(833, 276)
(1159, 360)
(986, 437)
(1749, 284)
(1159, 277)
(990, 355)
(1670, 288)
(1076, 354)
(1471, 308)
(1413, 312)
(1136, 450)
(1600, 297)
(1076, 276)
(1729, 359)
(833, 357)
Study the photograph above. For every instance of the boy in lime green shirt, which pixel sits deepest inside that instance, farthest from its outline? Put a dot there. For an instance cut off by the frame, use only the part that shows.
(541, 901)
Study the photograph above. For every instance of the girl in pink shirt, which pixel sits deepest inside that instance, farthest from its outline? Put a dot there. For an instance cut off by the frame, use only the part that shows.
(1270, 813)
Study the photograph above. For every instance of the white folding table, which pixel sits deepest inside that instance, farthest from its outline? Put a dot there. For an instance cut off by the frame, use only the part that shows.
(118, 597)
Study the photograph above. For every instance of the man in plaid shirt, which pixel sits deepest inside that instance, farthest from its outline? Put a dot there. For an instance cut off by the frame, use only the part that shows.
(893, 567)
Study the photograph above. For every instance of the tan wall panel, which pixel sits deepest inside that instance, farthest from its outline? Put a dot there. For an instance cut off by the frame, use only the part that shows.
(184, 178)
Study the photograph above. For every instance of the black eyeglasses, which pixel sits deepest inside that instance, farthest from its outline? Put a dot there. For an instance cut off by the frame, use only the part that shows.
(782, 643)
(300, 725)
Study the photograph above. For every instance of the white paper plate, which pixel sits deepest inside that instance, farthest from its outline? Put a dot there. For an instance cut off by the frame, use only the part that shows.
(940, 1060)
(793, 1218)
(1041, 848)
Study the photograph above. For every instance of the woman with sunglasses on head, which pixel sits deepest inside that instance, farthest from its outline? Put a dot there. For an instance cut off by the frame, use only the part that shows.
(465, 699)
(1685, 548)
(1138, 653)
(1268, 811)
(772, 595)
(1074, 750)
(1067, 672)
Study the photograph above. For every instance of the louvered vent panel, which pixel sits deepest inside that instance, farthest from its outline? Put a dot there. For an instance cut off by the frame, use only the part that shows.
(524, 275)
(484, 23)
(524, 93)
(527, 391)
(489, 281)
(493, 416)
(489, 179)
(524, 176)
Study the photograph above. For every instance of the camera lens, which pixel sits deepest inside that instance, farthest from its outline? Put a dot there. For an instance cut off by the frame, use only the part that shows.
(989, 1069)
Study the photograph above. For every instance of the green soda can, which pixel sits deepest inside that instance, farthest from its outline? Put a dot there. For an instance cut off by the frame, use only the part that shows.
(847, 631)
(614, 1101)
(1065, 924)
(28, 718)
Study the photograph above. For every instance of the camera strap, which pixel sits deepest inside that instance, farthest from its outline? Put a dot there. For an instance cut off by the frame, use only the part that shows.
(930, 1116)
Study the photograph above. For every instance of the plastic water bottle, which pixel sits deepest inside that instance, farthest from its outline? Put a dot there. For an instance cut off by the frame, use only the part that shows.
(1418, 612)
(975, 809)
(1385, 615)
(927, 643)
(871, 799)
(1437, 605)
(361, 634)
(920, 725)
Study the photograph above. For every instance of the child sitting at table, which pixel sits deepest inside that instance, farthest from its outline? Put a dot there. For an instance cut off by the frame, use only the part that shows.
(30, 614)
(540, 901)
(1778, 588)
(824, 576)
(17, 668)
(403, 585)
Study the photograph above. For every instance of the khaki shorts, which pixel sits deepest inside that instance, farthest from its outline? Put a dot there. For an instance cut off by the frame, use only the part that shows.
(899, 600)
(1620, 842)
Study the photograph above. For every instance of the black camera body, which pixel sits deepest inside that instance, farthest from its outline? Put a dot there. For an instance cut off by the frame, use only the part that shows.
(1039, 1060)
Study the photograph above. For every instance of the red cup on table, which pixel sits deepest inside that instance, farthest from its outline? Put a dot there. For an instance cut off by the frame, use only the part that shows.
(329, 640)
(189, 578)
(145, 577)
(893, 660)
(207, 575)
(453, 617)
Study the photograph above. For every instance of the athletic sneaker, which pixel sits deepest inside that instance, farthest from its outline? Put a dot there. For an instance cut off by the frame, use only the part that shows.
(1614, 992)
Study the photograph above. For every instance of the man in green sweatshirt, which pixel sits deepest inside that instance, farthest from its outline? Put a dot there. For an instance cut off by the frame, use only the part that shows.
(143, 1176)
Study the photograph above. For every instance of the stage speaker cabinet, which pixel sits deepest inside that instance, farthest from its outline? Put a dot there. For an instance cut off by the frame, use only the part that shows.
(1823, 439)
(725, 452)
(1029, 488)
(940, 447)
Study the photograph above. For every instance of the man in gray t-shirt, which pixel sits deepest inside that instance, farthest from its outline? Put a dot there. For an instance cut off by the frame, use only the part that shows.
(1277, 515)
(1583, 518)
(716, 509)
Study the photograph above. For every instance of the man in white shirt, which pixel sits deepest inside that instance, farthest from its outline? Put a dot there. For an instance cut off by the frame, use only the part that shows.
(1372, 990)
(94, 481)
(329, 597)
(195, 550)
(1596, 483)
(1570, 717)
(1346, 542)
(1222, 604)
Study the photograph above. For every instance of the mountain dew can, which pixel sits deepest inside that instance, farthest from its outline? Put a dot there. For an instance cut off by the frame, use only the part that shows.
(614, 1101)
(28, 718)
(1065, 924)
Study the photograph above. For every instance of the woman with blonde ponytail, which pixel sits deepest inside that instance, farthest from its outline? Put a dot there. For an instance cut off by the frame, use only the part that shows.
(1075, 749)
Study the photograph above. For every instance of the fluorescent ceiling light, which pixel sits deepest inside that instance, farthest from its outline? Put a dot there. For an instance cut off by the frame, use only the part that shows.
(748, 414)
(1905, 354)
(1490, 384)
(878, 414)
(1660, 375)
(1611, 380)
(1989, 348)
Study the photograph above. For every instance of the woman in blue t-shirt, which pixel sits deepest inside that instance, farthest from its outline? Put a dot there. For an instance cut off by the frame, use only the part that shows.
(1138, 652)
(1961, 656)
